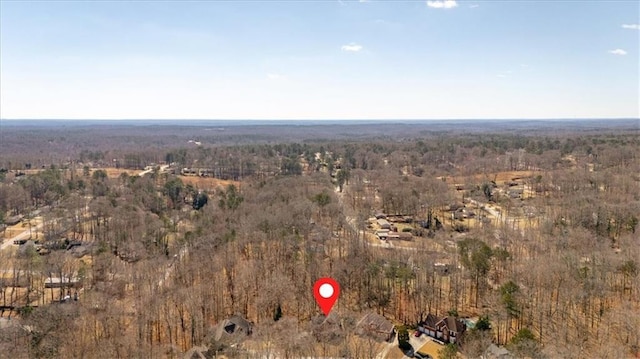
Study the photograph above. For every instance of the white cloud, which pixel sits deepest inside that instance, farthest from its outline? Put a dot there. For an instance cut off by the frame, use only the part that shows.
(473, 6)
(274, 76)
(352, 47)
(631, 26)
(442, 4)
(618, 52)
(363, 0)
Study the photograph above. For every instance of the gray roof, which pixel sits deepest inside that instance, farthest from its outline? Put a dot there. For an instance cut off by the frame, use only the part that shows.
(375, 322)
(232, 326)
(196, 352)
(383, 222)
(496, 352)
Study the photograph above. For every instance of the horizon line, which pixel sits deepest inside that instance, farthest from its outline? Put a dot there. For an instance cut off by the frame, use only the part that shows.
(327, 119)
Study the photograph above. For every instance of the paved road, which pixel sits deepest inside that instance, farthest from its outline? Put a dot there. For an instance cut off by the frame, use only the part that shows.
(23, 235)
(416, 343)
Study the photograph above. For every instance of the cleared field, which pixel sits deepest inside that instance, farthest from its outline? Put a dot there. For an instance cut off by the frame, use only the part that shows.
(207, 183)
(116, 172)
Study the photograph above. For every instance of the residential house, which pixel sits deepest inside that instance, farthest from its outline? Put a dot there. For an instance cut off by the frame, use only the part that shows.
(380, 215)
(376, 326)
(233, 327)
(405, 236)
(382, 234)
(446, 329)
(384, 224)
(496, 352)
(328, 329)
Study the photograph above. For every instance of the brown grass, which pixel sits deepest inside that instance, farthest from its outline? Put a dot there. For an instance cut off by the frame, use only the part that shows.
(431, 348)
(13, 231)
(116, 172)
(207, 183)
(395, 353)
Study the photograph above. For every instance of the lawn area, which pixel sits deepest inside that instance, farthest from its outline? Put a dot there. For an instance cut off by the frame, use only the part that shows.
(431, 348)
(395, 353)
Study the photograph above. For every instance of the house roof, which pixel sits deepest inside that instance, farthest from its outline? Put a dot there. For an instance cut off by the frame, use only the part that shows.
(452, 323)
(496, 352)
(234, 325)
(431, 321)
(374, 321)
(196, 352)
(383, 222)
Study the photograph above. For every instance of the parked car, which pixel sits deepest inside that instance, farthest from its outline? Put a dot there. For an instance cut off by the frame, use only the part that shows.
(417, 333)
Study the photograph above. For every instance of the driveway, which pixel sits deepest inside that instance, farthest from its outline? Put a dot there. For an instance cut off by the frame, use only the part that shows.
(416, 343)
(24, 235)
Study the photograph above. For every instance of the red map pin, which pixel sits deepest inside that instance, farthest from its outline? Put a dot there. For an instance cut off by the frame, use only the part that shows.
(326, 290)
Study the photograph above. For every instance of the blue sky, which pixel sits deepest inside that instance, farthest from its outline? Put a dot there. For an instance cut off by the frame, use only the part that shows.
(438, 59)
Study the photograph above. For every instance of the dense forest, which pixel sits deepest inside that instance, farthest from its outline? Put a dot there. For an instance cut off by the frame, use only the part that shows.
(138, 242)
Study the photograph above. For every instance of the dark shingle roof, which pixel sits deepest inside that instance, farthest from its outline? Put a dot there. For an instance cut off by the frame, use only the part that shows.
(373, 321)
(431, 320)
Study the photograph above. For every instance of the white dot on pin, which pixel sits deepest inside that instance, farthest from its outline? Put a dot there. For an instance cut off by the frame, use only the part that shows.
(326, 290)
